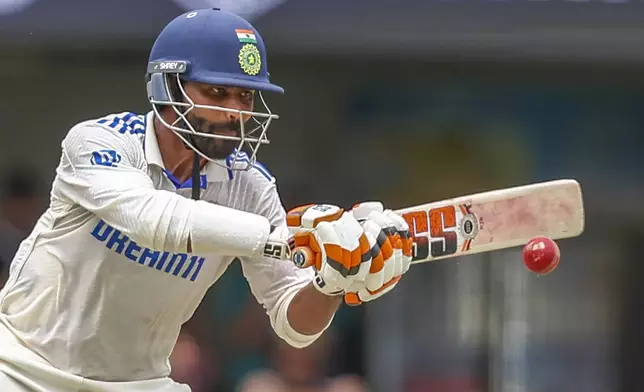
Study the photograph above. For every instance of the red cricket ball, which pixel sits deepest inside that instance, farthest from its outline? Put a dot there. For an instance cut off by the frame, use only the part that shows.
(541, 255)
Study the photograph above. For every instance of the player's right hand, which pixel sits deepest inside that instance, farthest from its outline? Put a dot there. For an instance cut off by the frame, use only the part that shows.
(391, 250)
(334, 243)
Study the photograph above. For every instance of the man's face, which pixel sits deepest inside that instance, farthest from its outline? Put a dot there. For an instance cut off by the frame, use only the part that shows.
(218, 122)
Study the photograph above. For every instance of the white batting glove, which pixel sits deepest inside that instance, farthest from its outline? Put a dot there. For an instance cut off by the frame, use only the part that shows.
(334, 243)
(391, 250)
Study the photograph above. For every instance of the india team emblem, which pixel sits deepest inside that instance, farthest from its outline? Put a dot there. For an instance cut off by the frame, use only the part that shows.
(249, 59)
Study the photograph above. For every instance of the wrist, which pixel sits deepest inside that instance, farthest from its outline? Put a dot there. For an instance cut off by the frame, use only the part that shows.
(277, 244)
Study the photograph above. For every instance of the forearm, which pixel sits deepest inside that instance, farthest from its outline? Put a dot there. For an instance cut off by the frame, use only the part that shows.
(310, 311)
(222, 230)
(169, 222)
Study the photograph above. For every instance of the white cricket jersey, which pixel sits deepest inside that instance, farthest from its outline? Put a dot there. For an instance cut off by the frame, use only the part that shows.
(102, 285)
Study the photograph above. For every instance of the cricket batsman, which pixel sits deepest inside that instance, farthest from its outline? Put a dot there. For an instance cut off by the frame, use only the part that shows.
(147, 212)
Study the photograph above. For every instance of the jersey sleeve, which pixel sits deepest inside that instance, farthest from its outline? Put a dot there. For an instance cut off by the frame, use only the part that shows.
(274, 283)
(106, 174)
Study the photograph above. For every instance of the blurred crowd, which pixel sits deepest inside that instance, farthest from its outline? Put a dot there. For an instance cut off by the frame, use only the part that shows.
(21, 204)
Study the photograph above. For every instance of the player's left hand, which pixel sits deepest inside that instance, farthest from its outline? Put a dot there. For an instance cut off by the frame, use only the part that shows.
(391, 251)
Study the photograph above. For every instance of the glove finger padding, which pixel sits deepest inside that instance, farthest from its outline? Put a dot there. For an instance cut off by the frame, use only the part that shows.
(406, 241)
(341, 252)
(388, 242)
(375, 277)
(362, 210)
(391, 243)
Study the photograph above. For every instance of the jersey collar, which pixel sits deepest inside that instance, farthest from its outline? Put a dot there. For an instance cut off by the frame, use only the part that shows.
(212, 171)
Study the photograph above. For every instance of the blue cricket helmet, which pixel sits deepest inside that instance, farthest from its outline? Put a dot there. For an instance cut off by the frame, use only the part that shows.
(214, 47)
(218, 48)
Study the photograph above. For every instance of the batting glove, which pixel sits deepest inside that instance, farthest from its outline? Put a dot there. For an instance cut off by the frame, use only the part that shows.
(334, 243)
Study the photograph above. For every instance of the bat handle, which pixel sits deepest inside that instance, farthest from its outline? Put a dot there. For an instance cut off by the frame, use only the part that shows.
(303, 257)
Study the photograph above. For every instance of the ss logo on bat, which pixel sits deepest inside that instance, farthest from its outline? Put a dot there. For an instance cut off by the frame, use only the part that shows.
(440, 223)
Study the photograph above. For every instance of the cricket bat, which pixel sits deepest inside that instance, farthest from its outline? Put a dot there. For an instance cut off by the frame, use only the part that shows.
(495, 220)
(489, 221)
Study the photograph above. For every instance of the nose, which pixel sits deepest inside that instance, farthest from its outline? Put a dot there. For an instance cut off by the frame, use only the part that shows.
(236, 116)
(235, 102)
(236, 105)
(233, 116)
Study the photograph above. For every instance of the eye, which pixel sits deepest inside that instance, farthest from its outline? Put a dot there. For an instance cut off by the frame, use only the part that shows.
(247, 95)
(218, 92)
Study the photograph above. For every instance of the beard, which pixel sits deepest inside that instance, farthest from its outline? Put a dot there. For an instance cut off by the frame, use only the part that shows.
(211, 147)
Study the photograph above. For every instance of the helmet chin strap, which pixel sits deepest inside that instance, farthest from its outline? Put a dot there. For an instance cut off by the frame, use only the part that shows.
(196, 179)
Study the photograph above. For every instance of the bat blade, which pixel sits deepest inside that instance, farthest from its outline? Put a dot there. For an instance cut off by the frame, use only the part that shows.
(495, 220)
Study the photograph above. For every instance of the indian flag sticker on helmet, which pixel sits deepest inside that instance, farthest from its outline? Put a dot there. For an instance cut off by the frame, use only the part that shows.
(246, 36)
(250, 59)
